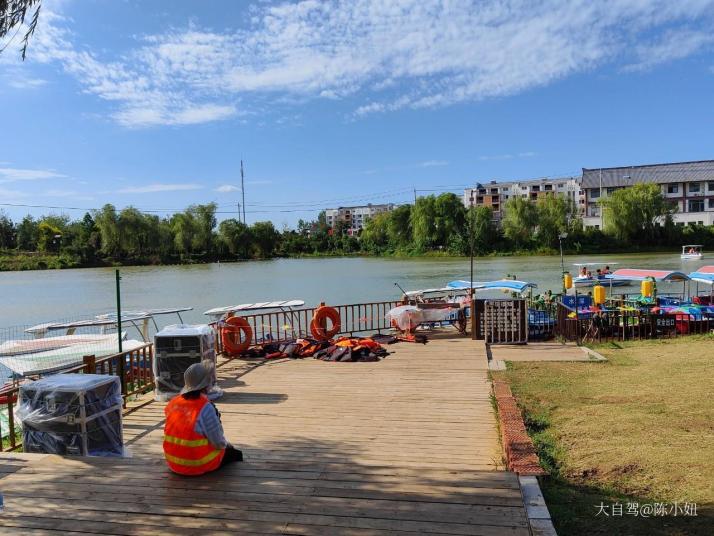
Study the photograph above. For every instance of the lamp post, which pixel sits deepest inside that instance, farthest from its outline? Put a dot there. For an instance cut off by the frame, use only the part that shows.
(561, 237)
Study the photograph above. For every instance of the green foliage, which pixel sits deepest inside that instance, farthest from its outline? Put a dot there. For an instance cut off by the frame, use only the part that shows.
(519, 221)
(635, 212)
(437, 225)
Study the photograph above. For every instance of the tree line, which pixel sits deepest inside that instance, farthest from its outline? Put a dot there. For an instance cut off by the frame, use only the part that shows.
(635, 218)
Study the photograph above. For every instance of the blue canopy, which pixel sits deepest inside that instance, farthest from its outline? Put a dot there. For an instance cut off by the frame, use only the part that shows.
(501, 284)
(702, 277)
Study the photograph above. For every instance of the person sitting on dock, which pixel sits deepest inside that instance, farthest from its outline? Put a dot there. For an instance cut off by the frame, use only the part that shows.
(194, 443)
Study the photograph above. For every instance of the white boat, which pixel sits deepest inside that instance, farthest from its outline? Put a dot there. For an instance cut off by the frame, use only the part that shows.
(691, 252)
(590, 279)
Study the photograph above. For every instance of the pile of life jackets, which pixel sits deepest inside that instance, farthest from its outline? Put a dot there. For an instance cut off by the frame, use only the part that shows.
(341, 349)
(352, 349)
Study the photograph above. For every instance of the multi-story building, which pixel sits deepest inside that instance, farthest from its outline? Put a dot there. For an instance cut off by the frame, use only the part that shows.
(354, 218)
(496, 194)
(689, 186)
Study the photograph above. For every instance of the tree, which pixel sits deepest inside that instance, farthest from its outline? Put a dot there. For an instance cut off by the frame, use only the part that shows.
(108, 224)
(399, 229)
(481, 224)
(556, 213)
(183, 226)
(13, 14)
(204, 217)
(265, 238)
(423, 217)
(449, 218)
(519, 221)
(635, 212)
(236, 236)
(7, 231)
(375, 235)
(27, 234)
(49, 237)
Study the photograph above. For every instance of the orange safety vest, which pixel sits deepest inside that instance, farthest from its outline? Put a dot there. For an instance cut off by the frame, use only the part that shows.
(187, 452)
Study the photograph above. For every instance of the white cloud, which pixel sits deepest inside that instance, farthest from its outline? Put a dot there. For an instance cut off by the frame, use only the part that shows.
(227, 188)
(673, 45)
(158, 187)
(15, 174)
(433, 163)
(389, 55)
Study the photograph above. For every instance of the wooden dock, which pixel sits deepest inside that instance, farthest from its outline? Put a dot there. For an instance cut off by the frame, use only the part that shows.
(404, 446)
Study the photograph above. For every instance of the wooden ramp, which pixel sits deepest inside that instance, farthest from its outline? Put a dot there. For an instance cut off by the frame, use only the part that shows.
(404, 446)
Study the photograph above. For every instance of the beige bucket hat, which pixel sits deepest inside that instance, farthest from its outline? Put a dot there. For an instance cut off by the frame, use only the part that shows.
(198, 376)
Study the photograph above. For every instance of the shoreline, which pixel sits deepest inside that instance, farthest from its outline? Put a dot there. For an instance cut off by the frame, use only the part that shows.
(20, 261)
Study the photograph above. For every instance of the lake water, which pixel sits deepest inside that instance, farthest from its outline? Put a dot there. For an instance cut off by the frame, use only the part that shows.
(39, 296)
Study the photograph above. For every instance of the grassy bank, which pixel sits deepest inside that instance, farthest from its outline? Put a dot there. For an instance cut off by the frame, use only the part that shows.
(639, 428)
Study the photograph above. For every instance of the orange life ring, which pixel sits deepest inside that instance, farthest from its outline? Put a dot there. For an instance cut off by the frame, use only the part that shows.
(233, 343)
(317, 326)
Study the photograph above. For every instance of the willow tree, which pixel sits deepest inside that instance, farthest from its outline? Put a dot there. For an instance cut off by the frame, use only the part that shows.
(519, 221)
(13, 14)
(635, 212)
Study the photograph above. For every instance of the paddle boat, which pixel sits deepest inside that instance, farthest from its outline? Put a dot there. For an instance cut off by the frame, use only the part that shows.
(586, 278)
(691, 252)
(48, 352)
(704, 275)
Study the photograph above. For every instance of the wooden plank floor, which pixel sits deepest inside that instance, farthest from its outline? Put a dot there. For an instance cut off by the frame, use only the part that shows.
(404, 446)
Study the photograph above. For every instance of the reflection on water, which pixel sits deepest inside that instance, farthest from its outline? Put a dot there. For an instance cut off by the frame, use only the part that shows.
(32, 297)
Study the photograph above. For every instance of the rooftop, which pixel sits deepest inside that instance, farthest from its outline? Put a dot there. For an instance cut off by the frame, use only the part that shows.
(700, 170)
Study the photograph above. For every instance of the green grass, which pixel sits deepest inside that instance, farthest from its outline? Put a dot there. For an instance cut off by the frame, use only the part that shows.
(638, 428)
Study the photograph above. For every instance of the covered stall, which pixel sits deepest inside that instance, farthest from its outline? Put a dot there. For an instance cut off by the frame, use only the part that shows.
(705, 276)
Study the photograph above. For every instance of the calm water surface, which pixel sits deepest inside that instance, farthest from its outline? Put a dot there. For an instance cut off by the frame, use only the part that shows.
(38, 296)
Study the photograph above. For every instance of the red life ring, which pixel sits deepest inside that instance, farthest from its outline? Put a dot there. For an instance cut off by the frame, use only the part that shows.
(318, 324)
(236, 335)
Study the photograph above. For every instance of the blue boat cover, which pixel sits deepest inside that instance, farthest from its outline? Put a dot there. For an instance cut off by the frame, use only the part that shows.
(501, 284)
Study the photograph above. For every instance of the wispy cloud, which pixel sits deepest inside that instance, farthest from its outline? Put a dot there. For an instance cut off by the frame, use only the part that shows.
(388, 55)
(433, 163)
(227, 188)
(158, 187)
(16, 174)
(673, 45)
(508, 156)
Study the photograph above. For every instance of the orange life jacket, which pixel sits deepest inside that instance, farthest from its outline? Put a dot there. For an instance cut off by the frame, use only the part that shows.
(187, 452)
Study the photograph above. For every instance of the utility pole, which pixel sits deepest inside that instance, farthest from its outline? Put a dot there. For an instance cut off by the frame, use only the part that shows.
(602, 207)
(119, 311)
(415, 197)
(239, 218)
(242, 189)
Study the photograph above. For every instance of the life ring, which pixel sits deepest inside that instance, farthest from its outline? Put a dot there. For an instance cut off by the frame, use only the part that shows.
(7, 399)
(317, 326)
(233, 343)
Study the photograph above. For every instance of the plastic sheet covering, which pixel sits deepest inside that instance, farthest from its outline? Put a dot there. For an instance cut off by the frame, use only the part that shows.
(74, 414)
(176, 348)
(408, 317)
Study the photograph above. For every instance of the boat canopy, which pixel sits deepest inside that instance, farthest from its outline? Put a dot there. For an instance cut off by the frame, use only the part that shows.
(501, 284)
(634, 274)
(693, 246)
(595, 264)
(284, 304)
(107, 319)
(705, 274)
(56, 355)
(442, 290)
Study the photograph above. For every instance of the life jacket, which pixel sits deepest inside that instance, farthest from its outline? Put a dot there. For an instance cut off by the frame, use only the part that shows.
(187, 452)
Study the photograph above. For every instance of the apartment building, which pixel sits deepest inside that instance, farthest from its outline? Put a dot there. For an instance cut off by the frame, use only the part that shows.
(496, 194)
(689, 186)
(354, 217)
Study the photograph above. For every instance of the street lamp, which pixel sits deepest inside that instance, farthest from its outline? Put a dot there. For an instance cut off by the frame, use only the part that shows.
(561, 237)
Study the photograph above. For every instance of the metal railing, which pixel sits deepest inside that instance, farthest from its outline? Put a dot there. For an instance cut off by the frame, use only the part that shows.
(134, 369)
(279, 326)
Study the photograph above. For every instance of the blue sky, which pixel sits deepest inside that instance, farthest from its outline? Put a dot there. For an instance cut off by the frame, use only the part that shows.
(153, 104)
